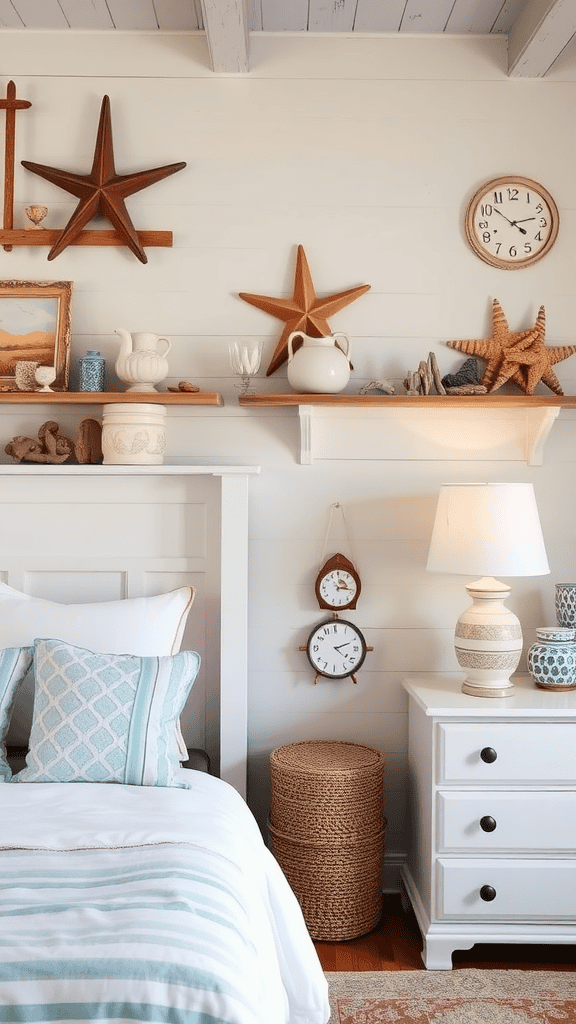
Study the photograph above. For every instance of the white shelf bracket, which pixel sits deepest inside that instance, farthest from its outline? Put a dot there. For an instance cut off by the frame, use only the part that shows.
(538, 425)
(305, 413)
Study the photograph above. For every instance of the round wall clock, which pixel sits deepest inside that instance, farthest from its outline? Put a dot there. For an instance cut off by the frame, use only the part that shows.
(338, 584)
(336, 649)
(511, 222)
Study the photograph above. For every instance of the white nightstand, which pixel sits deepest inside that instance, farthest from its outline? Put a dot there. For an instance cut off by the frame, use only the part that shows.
(492, 854)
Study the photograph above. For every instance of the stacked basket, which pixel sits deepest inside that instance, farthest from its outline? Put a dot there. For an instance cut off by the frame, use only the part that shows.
(328, 833)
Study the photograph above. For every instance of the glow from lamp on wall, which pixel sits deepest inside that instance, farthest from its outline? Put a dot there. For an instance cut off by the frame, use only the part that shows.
(494, 529)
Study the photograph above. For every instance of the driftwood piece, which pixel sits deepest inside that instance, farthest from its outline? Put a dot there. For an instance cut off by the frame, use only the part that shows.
(383, 384)
(88, 443)
(425, 378)
(185, 386)
(49, 446)
(467, 389)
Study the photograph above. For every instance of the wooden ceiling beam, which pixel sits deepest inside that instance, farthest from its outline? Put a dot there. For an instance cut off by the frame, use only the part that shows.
(226, 27)
(538, 36)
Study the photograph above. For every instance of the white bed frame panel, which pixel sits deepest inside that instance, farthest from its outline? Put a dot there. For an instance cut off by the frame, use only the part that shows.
(97, 533)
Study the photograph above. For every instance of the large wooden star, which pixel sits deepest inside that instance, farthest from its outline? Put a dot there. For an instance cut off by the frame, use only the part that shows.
(304, 311)
(494, 349)
(102, 191)
(533, 366)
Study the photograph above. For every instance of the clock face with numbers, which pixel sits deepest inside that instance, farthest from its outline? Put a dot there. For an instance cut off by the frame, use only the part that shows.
(338, 584)
(336, 648)
(511, 222)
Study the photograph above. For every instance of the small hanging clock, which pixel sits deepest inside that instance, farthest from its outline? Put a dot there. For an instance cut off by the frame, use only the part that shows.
(336, 649)
(337, 584)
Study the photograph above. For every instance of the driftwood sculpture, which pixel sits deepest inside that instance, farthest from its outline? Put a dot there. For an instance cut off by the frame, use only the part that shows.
(52, 447)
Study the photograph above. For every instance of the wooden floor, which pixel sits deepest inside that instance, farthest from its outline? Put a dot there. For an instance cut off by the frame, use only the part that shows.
(396, 944)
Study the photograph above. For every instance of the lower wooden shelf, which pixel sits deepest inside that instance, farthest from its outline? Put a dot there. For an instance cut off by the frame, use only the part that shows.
(108, 397)
(359, 426)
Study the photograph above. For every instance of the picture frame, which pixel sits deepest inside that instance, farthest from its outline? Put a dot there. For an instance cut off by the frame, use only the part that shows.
(35, 320)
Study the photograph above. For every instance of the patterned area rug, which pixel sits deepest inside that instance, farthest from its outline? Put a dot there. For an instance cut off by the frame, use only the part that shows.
(453, 997)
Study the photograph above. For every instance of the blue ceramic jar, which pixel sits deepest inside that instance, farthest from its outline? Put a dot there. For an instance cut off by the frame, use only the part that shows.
(552, 659)
(92, 371)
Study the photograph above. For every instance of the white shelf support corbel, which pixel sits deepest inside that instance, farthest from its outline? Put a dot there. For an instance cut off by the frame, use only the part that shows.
(538, 425)
(305, 413)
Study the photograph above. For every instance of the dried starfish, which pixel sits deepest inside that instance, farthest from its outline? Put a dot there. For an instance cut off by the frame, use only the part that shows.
(534, 366)
(494, 349)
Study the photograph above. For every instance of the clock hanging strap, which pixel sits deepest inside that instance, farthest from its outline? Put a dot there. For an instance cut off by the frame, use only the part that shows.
(337, 506)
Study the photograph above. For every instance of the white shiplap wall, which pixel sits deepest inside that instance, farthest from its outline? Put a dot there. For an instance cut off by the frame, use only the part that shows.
(365, 151)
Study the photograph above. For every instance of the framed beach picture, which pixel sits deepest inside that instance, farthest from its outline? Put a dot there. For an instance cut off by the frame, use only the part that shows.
(35, 328)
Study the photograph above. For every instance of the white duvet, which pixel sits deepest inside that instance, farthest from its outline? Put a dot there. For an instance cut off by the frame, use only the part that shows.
(147, 904)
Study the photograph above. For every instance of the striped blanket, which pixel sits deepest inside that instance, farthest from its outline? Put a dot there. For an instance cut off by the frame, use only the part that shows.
(122, 903)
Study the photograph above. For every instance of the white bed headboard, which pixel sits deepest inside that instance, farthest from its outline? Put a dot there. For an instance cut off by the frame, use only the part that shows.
(98, 533)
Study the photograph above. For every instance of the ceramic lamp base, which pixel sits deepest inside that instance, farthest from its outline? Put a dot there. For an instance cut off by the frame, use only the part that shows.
(488, 641)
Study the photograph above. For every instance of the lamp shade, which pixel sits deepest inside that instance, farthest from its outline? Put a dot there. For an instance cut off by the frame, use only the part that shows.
(487, 529)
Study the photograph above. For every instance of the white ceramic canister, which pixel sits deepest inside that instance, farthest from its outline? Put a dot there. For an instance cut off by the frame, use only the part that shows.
(133, 434)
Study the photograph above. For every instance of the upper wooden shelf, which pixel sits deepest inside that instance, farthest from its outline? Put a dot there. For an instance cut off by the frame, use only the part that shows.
(421, 401)
(108, 397)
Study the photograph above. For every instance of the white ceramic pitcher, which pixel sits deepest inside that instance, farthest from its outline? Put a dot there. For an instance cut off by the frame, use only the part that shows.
(139, 362)
(320, 365)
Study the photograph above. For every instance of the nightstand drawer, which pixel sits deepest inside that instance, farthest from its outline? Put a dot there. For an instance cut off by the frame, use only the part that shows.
(513, 753)
(521, 889)
(514, 822)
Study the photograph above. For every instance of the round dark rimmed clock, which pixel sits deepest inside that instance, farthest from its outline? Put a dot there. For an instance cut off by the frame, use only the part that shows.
(336, 649)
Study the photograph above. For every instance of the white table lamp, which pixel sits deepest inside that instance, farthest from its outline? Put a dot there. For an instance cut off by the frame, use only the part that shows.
(494, 529)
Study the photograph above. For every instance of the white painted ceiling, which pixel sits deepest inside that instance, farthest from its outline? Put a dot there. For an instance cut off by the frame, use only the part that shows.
(537, 30)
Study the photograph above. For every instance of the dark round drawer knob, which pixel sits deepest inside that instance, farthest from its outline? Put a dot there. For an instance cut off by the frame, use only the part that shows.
(487, 823)
(487, 893)
(488, 755)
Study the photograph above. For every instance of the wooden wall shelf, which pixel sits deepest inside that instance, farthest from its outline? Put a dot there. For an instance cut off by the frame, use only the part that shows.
(471, 427)
(28, 236)
(418, 401)
(107, 397)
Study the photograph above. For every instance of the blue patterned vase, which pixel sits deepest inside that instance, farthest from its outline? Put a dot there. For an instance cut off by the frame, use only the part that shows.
(565, 600)
(552, 659)
(92, 367)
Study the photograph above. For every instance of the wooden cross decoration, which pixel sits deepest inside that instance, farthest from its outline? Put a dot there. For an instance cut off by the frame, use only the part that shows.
(10, 105)
(103, 191)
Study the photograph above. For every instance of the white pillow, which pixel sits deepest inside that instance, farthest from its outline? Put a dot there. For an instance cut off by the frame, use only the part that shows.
(142, 626)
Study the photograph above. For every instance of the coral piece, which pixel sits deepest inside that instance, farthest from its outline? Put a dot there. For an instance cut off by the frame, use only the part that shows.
(469, 373)
(494, 349)
(304, 311)
(49, 446)
(88, 443)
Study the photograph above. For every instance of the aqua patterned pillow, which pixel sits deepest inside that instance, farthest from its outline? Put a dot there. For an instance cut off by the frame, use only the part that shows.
(14, 664)
(106, 717)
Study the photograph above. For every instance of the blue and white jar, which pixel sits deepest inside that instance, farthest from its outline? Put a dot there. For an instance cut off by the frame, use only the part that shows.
(92, 370)
(552, 659)
(565, 602)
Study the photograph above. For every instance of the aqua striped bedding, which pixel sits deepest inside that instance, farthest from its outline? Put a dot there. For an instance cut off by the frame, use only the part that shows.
(124, 903)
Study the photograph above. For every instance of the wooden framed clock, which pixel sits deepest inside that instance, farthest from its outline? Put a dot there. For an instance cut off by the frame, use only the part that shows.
(338, 584)
(511, 222)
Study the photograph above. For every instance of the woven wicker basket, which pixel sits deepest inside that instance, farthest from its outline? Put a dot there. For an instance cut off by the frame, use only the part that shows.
(328, 833)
